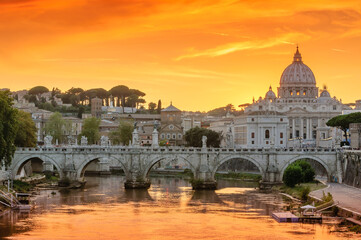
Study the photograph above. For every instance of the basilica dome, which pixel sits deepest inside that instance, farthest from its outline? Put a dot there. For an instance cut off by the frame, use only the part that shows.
(325, 94)
(297, 73)
(297, 80)
(270, 94)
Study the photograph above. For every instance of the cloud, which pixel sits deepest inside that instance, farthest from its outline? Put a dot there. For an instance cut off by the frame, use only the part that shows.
(241, 46)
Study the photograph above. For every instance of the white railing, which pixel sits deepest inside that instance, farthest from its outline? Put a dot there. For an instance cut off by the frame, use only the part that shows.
(125, 149)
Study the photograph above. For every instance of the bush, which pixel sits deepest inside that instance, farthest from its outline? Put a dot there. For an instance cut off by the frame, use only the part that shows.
(304, 193)
(298, 172)
(292, 175)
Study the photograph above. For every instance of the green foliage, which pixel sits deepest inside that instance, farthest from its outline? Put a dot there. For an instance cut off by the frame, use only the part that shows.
(292, 175)
(8, 128)
(222, 111)
(20, 186)
(304, 193)
(26, 133)
(163, 143)
(343, 121)
(121, 92)
(55, 127)
(38, 90)
(355, 228)
(90, 130)
(194, 137)
(152, 107)
(326, 198)
(308, 173)
(123, 134)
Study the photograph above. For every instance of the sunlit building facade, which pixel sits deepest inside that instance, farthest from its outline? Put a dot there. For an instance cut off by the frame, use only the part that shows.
(299, 112)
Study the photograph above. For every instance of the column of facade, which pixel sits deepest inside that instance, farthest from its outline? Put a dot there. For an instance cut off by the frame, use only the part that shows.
(293, 128)
(307, 128)
(311, 137)
(301, 127)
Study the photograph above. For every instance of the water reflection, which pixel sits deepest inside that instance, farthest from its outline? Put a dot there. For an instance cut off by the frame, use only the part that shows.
(170, 209)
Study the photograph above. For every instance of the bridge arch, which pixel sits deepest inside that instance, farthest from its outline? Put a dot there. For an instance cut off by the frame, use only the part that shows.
(18, 164)
(320, 161)
(170, 158)
(243, 157)
(82, 167)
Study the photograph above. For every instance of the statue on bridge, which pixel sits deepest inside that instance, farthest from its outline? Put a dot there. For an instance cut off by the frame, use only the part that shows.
(48, 141)
(104, 141)
(204, 141)
(83, 141)
(229, 138)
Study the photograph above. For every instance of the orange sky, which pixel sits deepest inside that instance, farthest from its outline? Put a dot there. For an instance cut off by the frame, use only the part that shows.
(199, 54)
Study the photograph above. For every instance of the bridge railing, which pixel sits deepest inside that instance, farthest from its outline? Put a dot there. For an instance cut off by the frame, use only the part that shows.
(125, 149)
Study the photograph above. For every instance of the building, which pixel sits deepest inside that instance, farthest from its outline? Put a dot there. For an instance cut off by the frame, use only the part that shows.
(171, 129)
(298, 112)
(96, 107)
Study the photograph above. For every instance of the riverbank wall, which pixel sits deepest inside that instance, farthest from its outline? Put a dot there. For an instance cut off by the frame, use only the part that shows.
(352, 167)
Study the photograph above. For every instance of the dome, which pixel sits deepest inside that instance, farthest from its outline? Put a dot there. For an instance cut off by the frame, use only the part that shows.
(325, 94)
(270, 94)
(297, 73)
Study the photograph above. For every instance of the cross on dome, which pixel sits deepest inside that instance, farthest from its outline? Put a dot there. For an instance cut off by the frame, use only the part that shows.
(297, 57)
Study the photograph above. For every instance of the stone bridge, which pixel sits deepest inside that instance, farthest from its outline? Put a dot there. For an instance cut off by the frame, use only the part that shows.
(136, 162)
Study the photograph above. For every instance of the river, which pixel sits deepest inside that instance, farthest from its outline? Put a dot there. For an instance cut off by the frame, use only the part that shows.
(170, 209)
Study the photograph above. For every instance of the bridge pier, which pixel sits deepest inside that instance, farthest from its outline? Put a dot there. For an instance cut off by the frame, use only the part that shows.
(136, 180)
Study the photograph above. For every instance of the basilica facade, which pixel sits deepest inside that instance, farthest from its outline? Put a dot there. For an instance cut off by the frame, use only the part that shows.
(296, 116)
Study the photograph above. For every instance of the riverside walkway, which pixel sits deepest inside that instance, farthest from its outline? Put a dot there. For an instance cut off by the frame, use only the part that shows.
(348, 197)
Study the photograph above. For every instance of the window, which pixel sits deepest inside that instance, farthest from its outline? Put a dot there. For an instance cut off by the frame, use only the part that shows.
(162, 136)
(297, 133)
(252, 142)
(168, 136)
(173, 136)
(291, 93)
(252, 119)
(298, 93)
(281, 119)
(266, 142)
(266, 134)
(180, 136)
(334, 107)
(252, 135)
(304, 93)
(259, 107)
(171, 127)
(281, 142)
(281, 135)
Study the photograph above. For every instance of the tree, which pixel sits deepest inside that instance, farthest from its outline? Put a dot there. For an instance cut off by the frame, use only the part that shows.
(55, 126)
(152, 107)
(308, 173)
(343, 121)
(26, 133)
(8, 128)
(90, 130)
(38, 90)
(292, 175)
(194, 137)
(159, 109)
(121, 92)
(123, 134)
(298, 172)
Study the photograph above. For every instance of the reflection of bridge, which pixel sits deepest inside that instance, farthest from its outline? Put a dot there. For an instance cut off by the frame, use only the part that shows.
(136, 162)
